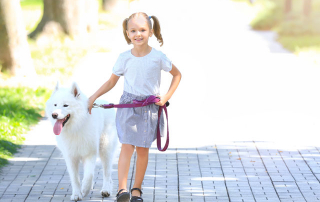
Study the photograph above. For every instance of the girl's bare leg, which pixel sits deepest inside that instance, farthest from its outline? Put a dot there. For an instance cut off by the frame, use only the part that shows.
(124, 165)
(141, 167)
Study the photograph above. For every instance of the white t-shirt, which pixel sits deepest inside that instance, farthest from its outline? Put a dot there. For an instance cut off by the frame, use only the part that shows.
(142, 75)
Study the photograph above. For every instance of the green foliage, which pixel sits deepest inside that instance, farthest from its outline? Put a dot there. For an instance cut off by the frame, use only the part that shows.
(19, 109)
(269, 16)
(31, 4)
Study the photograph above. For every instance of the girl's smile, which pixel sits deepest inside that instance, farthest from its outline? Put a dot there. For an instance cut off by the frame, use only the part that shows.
(139, 39)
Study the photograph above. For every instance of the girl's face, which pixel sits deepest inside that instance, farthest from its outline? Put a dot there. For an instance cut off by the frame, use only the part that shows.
(139, 31)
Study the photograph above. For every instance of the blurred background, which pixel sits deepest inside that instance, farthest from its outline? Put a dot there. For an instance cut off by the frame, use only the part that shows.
(250, 67)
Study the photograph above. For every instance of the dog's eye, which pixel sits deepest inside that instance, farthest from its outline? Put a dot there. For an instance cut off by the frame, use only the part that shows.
(65, 105)
(55, 105)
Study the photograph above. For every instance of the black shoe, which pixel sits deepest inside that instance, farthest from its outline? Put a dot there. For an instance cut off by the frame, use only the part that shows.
(136, 198)
(122, 196)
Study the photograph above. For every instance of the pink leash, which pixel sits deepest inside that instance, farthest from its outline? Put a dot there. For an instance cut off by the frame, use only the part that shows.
(141, 103)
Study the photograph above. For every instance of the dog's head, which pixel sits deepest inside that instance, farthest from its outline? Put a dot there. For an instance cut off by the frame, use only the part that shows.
(66, 108)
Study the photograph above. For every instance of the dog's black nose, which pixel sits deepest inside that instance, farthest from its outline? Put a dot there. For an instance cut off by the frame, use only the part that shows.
(54, 115)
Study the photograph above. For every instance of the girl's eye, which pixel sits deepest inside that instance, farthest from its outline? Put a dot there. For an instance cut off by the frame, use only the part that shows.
(65, 105)
(132, 31)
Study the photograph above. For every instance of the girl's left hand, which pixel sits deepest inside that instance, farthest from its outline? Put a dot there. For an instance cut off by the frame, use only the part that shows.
(163, 100)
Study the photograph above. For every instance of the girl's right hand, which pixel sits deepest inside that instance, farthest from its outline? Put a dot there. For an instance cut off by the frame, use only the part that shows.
(90, 104)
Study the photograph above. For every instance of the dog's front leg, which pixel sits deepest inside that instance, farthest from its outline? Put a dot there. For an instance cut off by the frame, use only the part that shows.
(87, 182)
(107, 160)
(73, 170)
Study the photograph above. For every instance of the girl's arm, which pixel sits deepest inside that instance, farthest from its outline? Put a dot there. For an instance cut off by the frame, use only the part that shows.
(174, 85)
(107, 86)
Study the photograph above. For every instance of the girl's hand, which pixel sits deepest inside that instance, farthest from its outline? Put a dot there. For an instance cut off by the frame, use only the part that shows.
(102, 90)
(90, 104)
(163, 100)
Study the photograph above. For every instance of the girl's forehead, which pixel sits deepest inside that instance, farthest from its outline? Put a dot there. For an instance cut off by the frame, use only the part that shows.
(138, 21)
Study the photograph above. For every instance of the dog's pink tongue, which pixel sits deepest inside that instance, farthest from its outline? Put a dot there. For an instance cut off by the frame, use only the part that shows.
(57, 127)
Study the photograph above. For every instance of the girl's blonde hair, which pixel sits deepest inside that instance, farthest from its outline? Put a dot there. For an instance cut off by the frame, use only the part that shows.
(156, 26)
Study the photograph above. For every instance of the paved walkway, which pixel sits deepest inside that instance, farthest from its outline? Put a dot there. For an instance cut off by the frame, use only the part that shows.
(253, 135)
(232, 171)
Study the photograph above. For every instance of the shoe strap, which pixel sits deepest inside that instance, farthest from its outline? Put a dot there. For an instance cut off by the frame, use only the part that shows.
(120, 191)
(137, 189)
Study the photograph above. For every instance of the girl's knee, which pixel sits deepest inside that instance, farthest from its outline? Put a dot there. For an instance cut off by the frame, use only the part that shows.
(142, 151)
(127, 148)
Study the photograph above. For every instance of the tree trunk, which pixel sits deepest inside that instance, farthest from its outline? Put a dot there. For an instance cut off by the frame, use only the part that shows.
(107, 5)
(14, 49)
(76, 17)
(288, 6)
(307, 7)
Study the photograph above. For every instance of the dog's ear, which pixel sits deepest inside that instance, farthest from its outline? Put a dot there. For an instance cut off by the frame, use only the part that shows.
(57, 86)
(75, 90)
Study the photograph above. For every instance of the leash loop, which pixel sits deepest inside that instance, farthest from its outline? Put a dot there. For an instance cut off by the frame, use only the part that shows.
(141, 103)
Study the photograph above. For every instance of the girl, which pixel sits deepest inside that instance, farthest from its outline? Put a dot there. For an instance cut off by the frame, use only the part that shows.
(141, 67)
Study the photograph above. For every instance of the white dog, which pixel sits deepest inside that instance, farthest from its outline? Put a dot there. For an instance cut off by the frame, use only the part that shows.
(81, 137)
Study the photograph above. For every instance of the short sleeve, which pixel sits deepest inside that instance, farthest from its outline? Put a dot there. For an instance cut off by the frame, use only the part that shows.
(166, 63)
(118, 68)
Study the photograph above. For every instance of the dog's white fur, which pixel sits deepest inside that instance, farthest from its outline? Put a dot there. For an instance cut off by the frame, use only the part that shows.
(83, 137)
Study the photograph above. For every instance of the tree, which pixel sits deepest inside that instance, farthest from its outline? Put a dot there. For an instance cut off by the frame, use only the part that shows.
(307, 7)
(288, 6)
(14, 49)
(76, 17)
(107, 5)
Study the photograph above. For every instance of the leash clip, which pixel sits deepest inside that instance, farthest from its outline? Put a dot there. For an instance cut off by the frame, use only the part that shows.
(96, 105)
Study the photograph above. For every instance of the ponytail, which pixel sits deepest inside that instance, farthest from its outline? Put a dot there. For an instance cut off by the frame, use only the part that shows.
(124, 26)
(157, 29)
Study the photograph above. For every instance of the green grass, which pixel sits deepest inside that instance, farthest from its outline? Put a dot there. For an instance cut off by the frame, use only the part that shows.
(59, 57)
(19, 109)
(298, 43)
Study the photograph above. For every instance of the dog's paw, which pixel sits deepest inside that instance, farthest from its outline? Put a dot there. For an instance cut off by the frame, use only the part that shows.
(76, 197)
(106, 190)
(105, 193)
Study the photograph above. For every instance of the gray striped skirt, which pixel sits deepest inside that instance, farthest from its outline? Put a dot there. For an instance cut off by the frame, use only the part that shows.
(137, 126)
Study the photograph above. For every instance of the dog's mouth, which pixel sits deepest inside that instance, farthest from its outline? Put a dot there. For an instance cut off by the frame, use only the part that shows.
(57, 128)
(66, 119)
